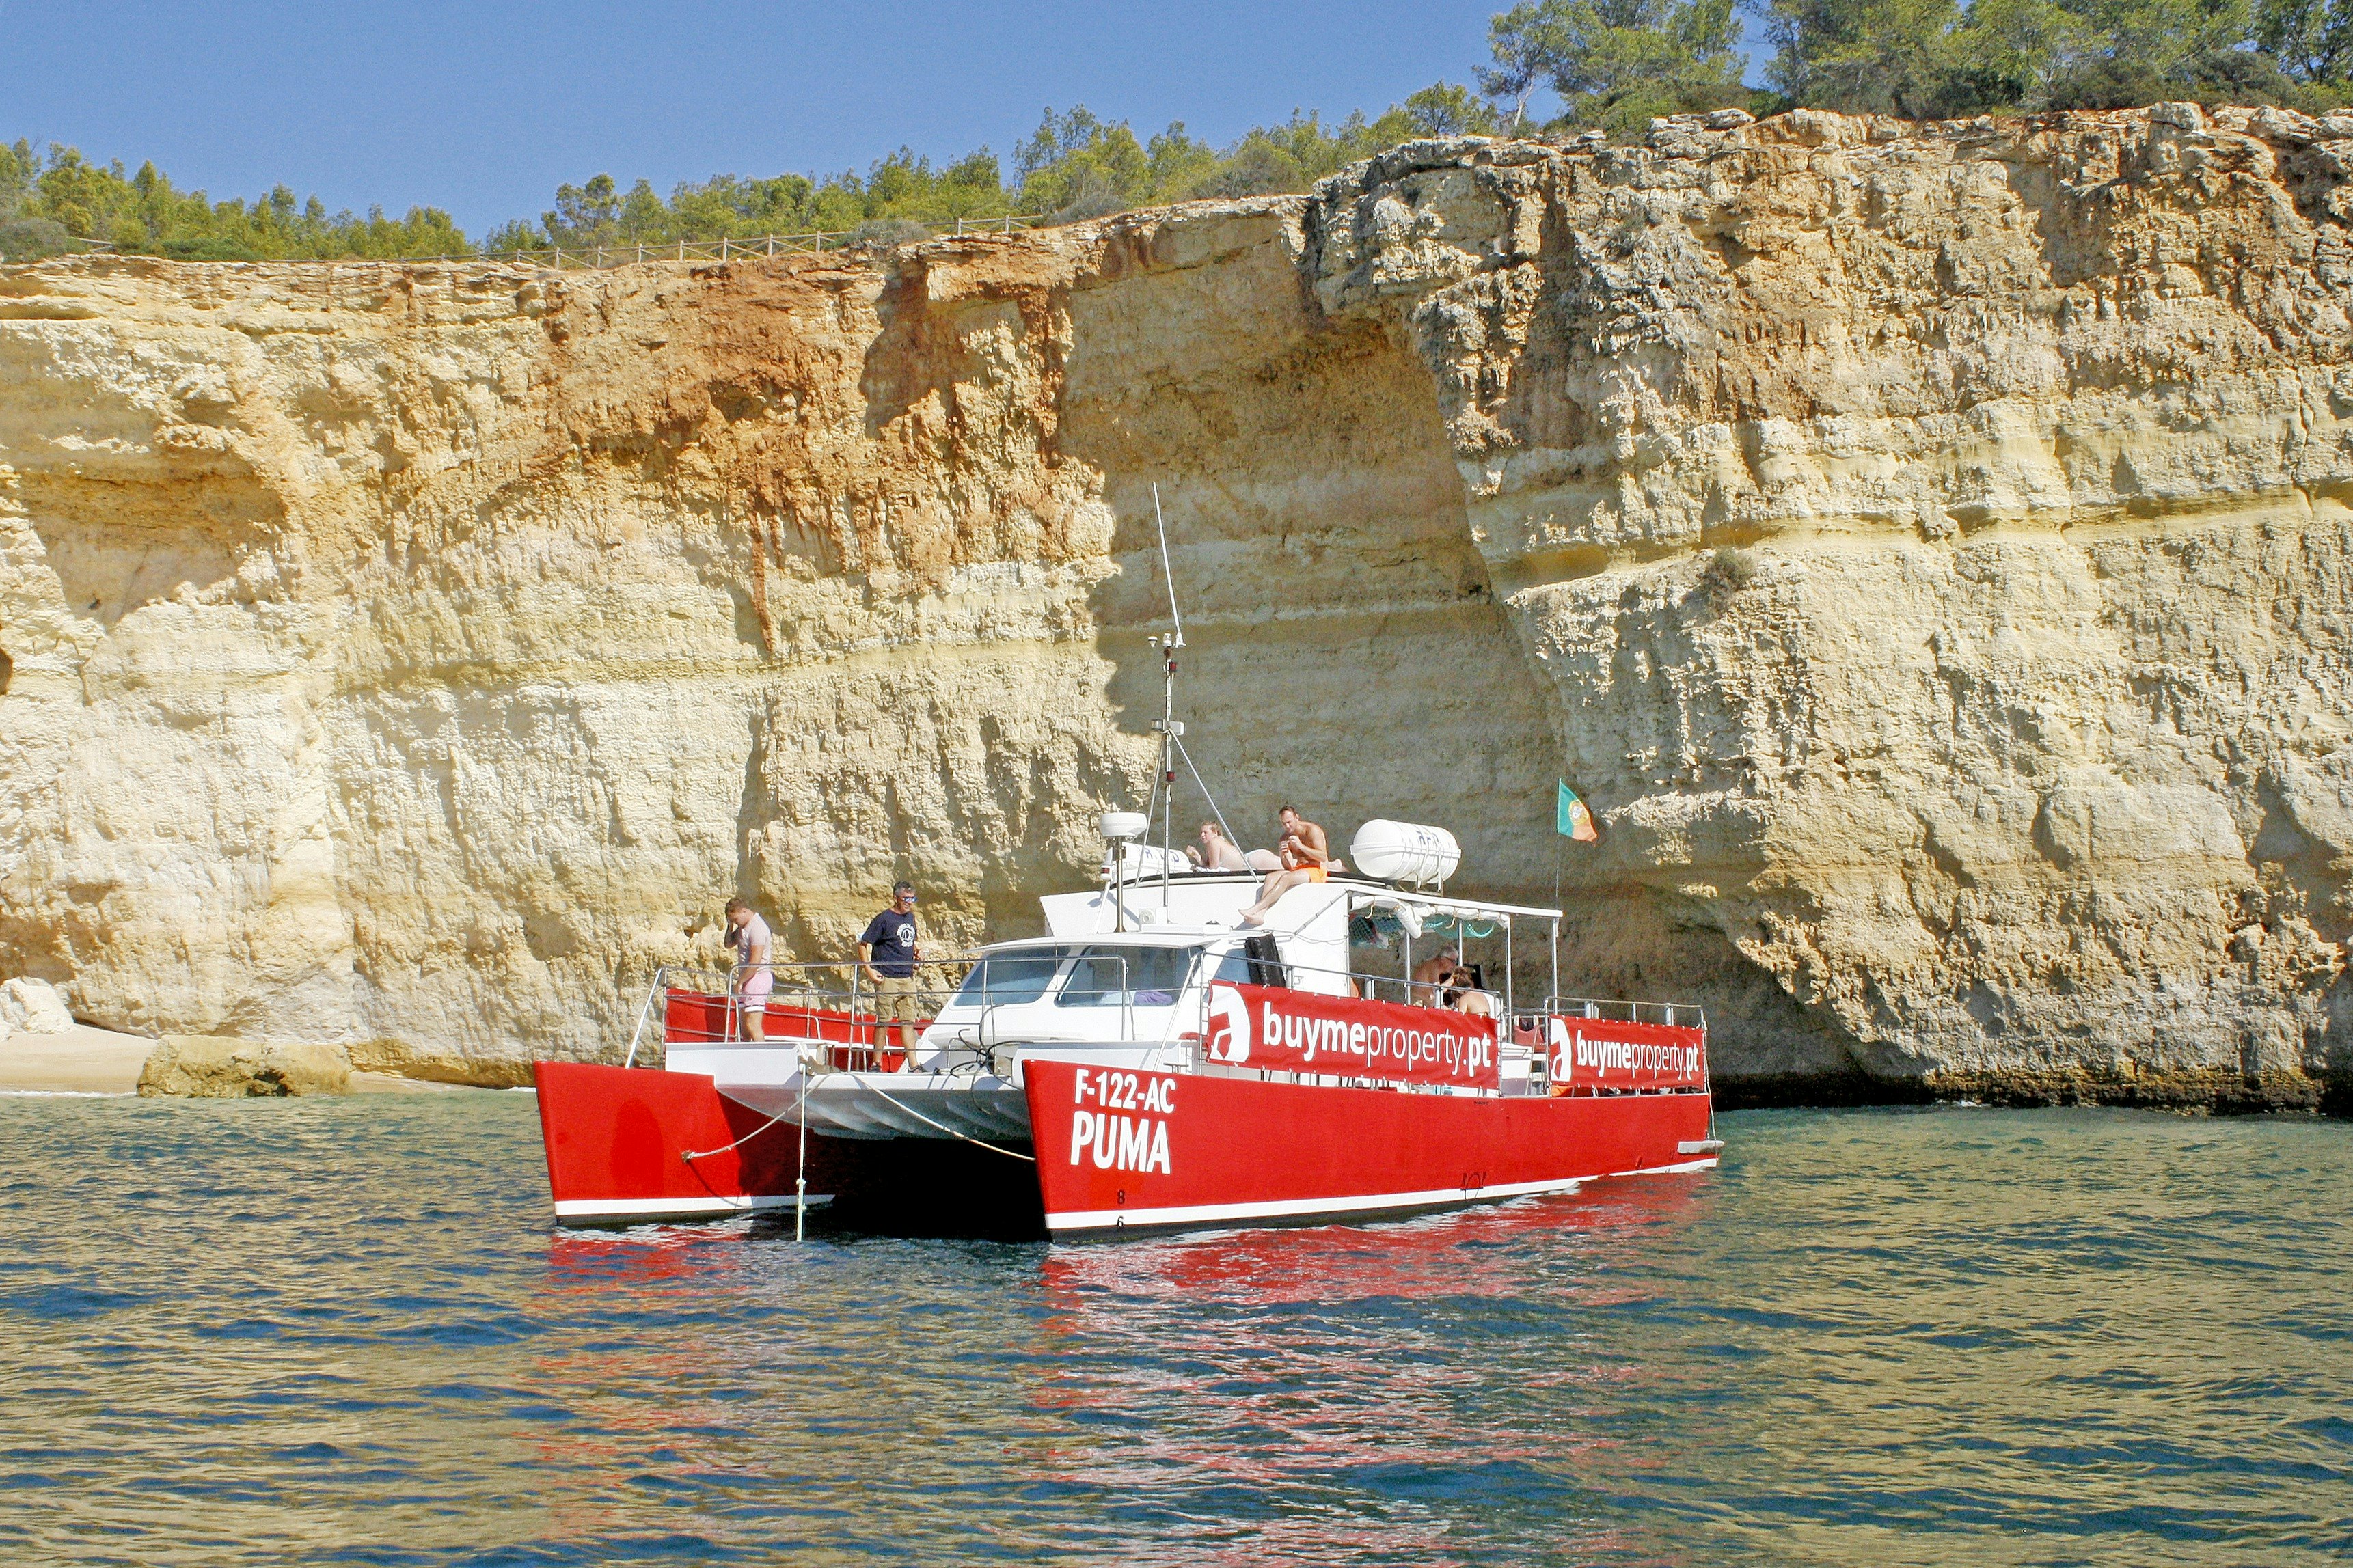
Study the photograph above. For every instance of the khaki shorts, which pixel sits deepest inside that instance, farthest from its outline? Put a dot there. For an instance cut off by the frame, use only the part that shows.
(897, 999)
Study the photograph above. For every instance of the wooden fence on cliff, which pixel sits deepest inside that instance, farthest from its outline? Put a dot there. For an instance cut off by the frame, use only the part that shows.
(725, 249)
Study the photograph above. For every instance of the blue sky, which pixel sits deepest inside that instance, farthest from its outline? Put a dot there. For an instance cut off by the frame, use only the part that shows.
(484, 108)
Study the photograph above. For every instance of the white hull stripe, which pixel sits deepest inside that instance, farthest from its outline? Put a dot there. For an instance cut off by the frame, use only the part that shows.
(626, 1208)
(1368, 1203)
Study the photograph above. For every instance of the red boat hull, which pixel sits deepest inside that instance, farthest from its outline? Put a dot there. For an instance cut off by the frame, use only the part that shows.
(616, 1140)
(1128, 1151)
(617, 1137)
(1117, 1152)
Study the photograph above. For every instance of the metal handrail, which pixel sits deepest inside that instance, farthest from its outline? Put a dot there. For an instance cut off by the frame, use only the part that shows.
(858, 1005)
(1190, 997)
(1674, 1014)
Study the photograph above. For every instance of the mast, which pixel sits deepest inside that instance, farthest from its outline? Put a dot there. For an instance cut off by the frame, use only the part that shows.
(1169, 727)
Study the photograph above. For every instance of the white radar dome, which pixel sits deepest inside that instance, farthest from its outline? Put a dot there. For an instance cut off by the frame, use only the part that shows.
(1404, 852)
(1118, 824)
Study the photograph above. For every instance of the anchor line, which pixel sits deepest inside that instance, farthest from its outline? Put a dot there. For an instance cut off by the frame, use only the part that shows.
(809, 1082)
(691, 1155)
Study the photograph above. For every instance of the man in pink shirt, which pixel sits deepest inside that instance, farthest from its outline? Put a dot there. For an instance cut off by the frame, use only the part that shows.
(748, 933)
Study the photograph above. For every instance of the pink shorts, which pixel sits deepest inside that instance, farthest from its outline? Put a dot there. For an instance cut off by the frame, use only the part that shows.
(755, 988)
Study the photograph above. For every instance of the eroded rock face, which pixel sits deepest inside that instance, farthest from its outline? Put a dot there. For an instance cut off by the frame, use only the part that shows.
(196, 1068)
(2008, 737)
(1924, 546)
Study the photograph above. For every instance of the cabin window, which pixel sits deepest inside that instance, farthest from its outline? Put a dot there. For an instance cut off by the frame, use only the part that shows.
(1117, 977)
(1008, 979)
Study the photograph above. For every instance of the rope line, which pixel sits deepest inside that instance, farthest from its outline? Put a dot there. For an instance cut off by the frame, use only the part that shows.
(691, 1156)
(949, 1131)
(1204, 787)
(808, 1083)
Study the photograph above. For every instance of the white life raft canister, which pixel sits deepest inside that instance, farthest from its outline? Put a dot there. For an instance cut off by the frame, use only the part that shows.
(1404, 852)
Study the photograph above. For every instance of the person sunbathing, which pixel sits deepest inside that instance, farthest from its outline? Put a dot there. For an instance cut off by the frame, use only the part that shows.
(1217, 852)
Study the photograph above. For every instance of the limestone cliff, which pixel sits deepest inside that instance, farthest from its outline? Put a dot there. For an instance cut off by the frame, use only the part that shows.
(1927, 547)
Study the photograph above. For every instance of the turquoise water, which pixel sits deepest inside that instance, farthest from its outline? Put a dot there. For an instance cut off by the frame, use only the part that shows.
(344, 1332)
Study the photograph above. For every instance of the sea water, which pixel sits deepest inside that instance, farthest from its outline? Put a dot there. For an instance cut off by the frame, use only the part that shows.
(346, 1330)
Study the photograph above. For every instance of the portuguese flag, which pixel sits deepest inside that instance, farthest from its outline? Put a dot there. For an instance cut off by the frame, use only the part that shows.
(1574, 820)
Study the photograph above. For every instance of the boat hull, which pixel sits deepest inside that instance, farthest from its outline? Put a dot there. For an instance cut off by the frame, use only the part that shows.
(1117, 1152)
(617, 1138)
(1124, 1153)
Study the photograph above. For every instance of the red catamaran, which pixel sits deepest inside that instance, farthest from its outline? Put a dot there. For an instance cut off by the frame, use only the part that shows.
(1145, 1065)
(1150, 1063)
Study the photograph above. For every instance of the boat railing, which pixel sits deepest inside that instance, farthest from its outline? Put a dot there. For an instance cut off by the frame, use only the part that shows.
(1672, 1014)
(1667, 1014)
(833, 1009)
(1395, 988)
(828, 1004)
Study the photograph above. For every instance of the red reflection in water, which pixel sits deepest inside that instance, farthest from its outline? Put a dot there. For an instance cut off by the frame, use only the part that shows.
(1446, 1255)
(649, 1255)
(626, 1427)
(1322, 1372)
(1270, 1387)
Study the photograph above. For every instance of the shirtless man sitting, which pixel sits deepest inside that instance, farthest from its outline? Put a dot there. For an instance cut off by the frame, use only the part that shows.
(1306, 858)
(1217, 852)
(1429, 975)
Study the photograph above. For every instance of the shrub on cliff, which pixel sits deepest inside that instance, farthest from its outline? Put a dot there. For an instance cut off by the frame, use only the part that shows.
(30, 238)
(882, 233)
(1077, 166)
(146, 213)
(1727, 571)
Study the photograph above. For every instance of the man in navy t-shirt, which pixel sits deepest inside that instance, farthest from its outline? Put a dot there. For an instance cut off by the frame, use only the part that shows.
(887, 952)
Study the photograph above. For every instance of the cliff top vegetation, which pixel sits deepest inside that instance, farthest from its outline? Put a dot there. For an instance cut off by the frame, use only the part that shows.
(1610, 65)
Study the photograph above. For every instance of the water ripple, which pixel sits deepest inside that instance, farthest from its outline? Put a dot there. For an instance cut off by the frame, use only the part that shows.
(322, 1332)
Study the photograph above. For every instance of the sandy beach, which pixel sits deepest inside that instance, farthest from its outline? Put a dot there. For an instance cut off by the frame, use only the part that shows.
(87, 1060)
(83, 1060)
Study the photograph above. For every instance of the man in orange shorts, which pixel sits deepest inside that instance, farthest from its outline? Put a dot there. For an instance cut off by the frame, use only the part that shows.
(1306, 858)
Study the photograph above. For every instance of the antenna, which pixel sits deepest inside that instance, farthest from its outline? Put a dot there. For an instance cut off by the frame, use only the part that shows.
(1168, 727)
(1167, 572)
(1172, 731)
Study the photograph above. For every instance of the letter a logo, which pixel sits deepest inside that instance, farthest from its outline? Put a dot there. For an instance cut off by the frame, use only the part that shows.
(1564, 1052)
(1230, 1026)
